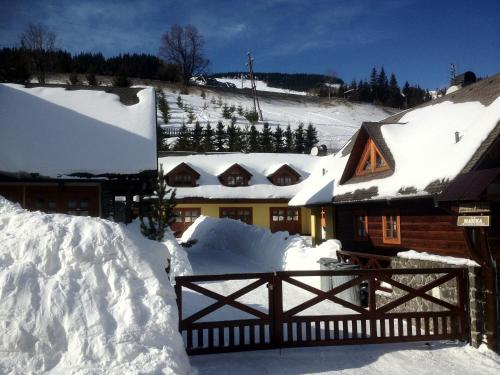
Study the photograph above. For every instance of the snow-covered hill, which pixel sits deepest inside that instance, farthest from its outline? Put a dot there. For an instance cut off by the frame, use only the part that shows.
(261, 85)
(336, 120)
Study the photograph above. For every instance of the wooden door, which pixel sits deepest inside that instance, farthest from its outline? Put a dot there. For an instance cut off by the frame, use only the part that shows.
(285, 219)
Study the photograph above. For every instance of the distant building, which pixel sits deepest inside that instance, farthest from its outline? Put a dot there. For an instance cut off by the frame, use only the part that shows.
(253, 188)
(77, 150)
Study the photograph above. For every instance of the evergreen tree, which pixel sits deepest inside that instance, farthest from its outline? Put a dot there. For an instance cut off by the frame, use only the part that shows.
(163, 105)
(91, 79)
(183, 141)
(395, 99)
(266, 139)
(160, 212)
(232, 138)
(373, 83)
(289, 140)
(208, 139)
(161, 138)
(226, 113)
(311, 138)
(299, 139)
(220, 137)
(253, 139)
(179, 101)
(278, 140)
(382, 87)
(73, 79)
(197, 137)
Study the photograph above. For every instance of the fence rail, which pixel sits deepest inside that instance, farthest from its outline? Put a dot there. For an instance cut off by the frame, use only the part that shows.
(378, 322)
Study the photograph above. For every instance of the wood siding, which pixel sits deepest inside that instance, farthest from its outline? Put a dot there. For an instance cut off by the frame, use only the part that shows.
(423, 228)
(494, 232)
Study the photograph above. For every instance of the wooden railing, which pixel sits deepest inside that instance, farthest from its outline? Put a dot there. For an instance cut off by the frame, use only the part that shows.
(277, 328)
(364, 260)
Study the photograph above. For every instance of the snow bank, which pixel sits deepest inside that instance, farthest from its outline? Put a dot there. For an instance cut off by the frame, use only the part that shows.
(179, 262)
(84, 295)
(278, 251)
(412, 254)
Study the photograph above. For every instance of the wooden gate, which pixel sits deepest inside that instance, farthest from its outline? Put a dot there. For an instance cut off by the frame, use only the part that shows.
(379, 320)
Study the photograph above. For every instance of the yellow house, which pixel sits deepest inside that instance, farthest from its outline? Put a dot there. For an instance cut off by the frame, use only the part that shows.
(254, 188)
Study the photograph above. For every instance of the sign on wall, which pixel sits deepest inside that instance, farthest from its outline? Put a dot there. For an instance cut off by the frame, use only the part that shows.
(473, 221)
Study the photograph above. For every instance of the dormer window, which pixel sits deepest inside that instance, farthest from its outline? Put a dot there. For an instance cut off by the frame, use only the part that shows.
(235, 180)
(182, 175)
(284, 180)
(284, 176)
(234, 176)
(371, 160)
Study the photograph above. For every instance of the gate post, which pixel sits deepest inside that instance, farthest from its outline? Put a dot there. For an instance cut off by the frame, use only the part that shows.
(463, 305)
(276, 311)
(178, 295)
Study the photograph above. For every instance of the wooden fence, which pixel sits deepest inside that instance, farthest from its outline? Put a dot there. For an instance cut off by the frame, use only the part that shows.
(279, 328)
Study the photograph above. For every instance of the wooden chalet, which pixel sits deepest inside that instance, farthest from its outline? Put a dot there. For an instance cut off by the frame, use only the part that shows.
(77, 150)
(426, 179)
(253, 188)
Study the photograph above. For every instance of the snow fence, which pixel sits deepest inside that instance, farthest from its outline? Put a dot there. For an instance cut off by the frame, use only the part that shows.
(84, 295)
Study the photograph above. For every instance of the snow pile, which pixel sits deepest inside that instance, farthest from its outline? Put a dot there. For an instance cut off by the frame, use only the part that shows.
(260, 85)
(84, 295)
(262, 249)
(51, 130)
(412, 254)
(179, 262)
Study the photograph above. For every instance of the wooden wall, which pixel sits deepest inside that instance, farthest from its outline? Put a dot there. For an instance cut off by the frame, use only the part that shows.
(423, 228)
(494, 231)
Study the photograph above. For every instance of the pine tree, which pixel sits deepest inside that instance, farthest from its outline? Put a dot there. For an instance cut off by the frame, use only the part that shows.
(373, 84)
(208, 139)
(278, 140)
(163, 105)
(220, 137)
(311, 138)
(382, 87)
(226, 113)
(161, 138)
(183, 142)
(395, 99)
(179, 101)
(289, 140)
(253, 139)
(266, 138)
(299, 139)
(160, 212)
(232, 138)
(197, 137)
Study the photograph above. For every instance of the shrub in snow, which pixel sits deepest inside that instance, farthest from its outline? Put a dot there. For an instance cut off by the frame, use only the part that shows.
(84, 295)
(160, 211)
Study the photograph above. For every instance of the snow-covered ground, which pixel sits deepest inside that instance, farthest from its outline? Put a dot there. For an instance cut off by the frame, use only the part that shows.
(82, 295)
(336, 121)
(228, 246)
(260, 85)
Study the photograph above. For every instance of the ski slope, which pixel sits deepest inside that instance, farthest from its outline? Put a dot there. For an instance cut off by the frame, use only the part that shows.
(336, 120)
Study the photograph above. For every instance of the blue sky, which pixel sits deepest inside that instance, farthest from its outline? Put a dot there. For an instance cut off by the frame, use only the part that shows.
(416, 39)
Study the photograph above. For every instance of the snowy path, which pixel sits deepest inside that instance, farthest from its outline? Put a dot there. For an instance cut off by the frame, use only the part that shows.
(412, 358)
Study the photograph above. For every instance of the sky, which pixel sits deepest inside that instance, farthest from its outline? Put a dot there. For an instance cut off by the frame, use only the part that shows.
(415, 39)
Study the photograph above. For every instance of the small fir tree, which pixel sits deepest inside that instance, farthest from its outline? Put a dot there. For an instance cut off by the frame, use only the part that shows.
(179, 102)
(160, 211)
(266, 139)
(253, 139)
(311, 138)
(225, 112)
(289, 140)
(278, 140)
(183, 142)
(208, 139)
(91, 79)
(299, 139)
(232, 138)
(163, 106)
(73, 79)
(220, 137)
(197, 137)
(240, 110)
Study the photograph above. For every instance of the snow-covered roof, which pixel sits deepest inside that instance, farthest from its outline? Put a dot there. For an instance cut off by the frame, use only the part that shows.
(421, 145)
(209, 166)
(56, 132)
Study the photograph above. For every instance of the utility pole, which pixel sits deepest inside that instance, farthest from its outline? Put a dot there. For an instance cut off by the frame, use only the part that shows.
(256, 105)
(452, 73)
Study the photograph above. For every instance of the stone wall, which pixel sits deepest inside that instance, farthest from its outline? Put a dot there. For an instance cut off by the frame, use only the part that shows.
(446, 292)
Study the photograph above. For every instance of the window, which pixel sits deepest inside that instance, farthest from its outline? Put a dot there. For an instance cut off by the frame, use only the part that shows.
(78, 207)
(183, 179)
(235, 180)
(243, 214)
(391, 228)
(284, 180)
(360, 226)
(371, 160)
(184, 217)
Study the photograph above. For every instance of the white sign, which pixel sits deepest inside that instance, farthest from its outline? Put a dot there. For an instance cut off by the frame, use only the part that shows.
(473, 221)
